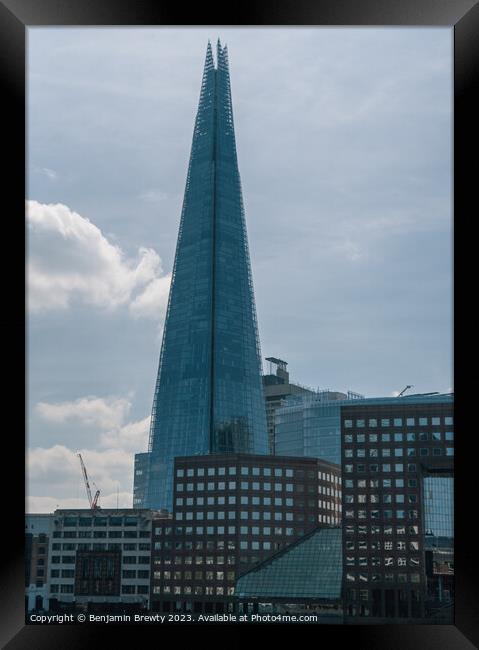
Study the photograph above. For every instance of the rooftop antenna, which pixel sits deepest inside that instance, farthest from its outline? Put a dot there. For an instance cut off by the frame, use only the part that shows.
(404, 390)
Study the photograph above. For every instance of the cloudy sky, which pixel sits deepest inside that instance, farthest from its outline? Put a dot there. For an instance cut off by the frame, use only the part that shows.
(344, 146)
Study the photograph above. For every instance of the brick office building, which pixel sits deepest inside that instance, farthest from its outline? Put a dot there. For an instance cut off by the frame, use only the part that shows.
(231, 512)
(397, 463)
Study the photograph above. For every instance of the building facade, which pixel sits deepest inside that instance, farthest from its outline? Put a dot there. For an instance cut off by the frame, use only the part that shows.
(37, 540)
(98, 559)
(230, 513)
(208, 396)
(397, 468)
(310, 425)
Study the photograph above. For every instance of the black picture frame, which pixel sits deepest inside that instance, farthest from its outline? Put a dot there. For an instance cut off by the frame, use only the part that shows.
(461, 15)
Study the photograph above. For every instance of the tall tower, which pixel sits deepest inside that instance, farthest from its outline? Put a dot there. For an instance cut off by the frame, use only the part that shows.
(208, 396)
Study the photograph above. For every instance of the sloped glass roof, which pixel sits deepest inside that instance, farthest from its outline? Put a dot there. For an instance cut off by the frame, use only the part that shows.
(309, 568)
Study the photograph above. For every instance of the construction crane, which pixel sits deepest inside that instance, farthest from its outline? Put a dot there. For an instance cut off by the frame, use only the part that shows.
(404, 390)
(93, 501)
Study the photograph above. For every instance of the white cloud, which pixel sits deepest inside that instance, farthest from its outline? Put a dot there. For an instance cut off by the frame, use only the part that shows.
(107, 414)
(57, 470)
(70, 258)
(95, 411)
(156, 293)
(131, 436)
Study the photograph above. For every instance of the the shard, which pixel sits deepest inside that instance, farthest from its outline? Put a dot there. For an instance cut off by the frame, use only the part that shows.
(208, 396)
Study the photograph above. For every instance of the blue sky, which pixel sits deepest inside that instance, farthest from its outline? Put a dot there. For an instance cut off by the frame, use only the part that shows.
(344, 147)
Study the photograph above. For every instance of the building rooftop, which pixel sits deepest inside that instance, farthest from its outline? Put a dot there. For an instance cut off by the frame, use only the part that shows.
(311, 567)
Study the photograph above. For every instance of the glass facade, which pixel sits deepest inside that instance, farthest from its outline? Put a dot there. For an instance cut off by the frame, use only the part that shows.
(309, 568)
(438, 506)
(309, 427)
(208, 396)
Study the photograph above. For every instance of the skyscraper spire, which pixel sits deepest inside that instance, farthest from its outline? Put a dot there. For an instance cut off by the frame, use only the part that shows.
(208, 396)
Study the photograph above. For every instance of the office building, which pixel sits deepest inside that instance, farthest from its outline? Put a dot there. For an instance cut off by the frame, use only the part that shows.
(97, 560)
(397, 469)
(310, 425)
(231, 512)
(208, 397)
(277, 388)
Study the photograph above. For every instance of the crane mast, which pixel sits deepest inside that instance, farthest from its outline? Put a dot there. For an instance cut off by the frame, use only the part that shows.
(93, 501)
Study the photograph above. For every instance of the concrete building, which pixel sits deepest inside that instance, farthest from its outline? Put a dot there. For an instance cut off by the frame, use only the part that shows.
(97, 559)
(231, 512)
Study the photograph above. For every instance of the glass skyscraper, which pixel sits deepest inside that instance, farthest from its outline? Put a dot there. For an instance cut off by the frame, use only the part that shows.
(208, 396)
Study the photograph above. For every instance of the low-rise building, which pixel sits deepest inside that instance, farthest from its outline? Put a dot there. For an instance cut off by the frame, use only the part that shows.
(98, 559)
